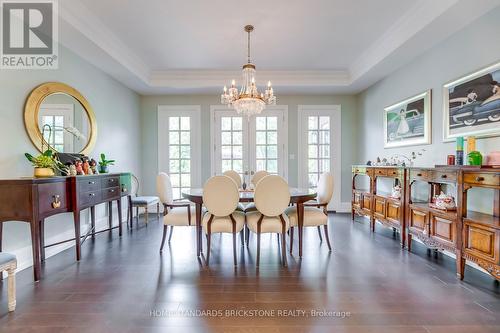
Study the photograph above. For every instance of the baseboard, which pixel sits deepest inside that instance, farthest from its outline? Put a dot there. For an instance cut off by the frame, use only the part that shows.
(24, 254)
(345, 207)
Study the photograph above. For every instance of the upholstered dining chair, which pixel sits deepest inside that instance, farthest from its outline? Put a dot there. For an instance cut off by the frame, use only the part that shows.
(175, 212)
(258, 176)
(221, 197)
(315, 213)
(234, 176)
(8, 262)
(142, 202)
(271, 199)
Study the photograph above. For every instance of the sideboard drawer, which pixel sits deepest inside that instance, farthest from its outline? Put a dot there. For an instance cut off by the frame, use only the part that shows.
(379, 210)
(481, 241)
(367, 202)
(489, 179)
(380, 172)
(419, 174)
(445, 176)
(111, 193)
(110, 182)
(392, 172)
(360, 170)
(89, 185)
(392, 211)
(89, 198)
(52, 198)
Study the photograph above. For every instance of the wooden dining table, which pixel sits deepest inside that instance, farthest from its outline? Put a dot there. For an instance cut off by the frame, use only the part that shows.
(297, 197)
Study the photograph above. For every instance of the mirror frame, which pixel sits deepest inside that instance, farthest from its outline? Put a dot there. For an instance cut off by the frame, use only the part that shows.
(32, 108)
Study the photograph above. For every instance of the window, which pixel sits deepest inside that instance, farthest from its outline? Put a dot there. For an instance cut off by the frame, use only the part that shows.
(266, 147)
(231, 136)
(178, 146)
(56, 139)
(318, 143)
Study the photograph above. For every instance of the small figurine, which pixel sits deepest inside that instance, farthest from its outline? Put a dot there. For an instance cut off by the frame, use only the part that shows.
(369, 163)
(79, 167)
(443, 201)
(384, 162)
(72, 170)
(93, 166)
(396, 192)
(86, 167)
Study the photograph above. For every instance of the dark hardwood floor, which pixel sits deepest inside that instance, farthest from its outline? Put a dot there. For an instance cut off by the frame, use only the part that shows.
(126, 285)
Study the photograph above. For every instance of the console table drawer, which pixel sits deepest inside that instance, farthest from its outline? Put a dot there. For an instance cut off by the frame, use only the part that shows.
(110, 182)
(489, 179)
(89, 185)
(111, 193)
(89, 198)
(445, 176)
(419, 174)
(52, 198)
(381, 172)
(359, 170)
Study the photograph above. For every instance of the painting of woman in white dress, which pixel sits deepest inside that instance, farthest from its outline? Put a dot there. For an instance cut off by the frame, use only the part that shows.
(408, 122)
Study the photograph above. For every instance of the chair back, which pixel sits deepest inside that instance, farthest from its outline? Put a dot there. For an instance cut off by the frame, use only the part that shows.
(164, 188)
(135, 186)
(220, 196)
(234, 176)
(325, 188)
(258, 176)
(272, 195)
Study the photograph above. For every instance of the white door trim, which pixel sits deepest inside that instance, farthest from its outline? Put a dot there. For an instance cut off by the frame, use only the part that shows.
(335, 148)
(193, 111)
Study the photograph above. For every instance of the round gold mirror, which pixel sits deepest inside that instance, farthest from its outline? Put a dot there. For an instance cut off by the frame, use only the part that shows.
(58, 116)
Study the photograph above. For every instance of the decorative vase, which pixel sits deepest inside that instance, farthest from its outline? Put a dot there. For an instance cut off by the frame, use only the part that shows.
(43, 172)
(103, 169)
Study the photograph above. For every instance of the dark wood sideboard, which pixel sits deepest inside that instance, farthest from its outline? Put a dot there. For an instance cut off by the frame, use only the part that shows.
(470, 235)
(32, 200)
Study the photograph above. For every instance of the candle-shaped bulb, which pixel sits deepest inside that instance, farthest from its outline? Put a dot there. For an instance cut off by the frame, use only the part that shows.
(269, 84)
(233, 83)
(225, 89)
(253, 80)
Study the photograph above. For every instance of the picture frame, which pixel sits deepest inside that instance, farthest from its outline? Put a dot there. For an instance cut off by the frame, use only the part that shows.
(471, 104)
(408, 122)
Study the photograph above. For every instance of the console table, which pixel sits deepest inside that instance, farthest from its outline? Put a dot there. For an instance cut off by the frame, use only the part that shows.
(32, 200)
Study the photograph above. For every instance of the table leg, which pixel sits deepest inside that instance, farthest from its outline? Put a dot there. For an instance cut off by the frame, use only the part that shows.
(110, 216)
(198, 229)
(92, 220)
(119, 203)
(130, 211)
(35, 241)
(42, 240)
(76, 219)
(300, 218)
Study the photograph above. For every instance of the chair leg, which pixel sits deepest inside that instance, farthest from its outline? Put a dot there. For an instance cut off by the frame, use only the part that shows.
(319, 234)
(283, 248)
(242, 237)
(12, 289)
(137, 214)
(258, 248)
(171, 232)
(291, 239)
(247, 235)
(165, 229)
(146, 213)
(158, 211)
(209, 237)
(327, 238)
(234, 249)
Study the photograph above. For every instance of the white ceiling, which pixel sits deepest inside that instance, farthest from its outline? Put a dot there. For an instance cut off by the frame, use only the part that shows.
(313, 46)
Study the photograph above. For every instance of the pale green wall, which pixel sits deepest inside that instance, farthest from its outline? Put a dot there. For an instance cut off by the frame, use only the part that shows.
(117, 111)
(149, 107)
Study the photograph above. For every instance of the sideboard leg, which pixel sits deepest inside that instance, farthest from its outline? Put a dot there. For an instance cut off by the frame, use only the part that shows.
(35, 241)
(110, 216)
(460, 265)
(119, 203)
(42, 240)
(76, 218)
(92, 220)
(409, 243)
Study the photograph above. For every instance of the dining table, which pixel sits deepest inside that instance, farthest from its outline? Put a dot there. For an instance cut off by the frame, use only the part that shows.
(298, 197)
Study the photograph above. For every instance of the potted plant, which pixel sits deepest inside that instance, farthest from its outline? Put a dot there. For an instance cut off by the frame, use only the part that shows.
(104, 164)
(45, 164)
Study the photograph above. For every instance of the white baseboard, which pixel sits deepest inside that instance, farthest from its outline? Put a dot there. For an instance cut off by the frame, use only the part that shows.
(345, 207)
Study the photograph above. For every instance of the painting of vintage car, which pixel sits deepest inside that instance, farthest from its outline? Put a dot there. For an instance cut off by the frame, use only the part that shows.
(472, 104)
(408, 122)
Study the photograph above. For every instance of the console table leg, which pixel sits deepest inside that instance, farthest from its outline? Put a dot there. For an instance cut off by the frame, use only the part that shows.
(110, 216)
(119, 203)
(460, 265)
(35, 241)
(76, 218)
(42, 240)
(409, 242)
(92, 220)
(130, 211)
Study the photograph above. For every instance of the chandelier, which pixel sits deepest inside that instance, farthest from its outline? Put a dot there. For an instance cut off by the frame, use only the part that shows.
(248, 101)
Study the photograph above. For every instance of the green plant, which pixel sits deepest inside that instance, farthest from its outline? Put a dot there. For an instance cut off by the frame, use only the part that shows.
(47, 160)
(104, 162)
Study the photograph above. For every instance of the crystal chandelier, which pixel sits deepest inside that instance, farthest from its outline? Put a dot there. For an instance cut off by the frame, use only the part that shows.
(248, 101)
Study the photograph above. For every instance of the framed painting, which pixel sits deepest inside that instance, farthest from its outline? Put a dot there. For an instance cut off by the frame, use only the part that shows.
(408, 123)
(472, 104)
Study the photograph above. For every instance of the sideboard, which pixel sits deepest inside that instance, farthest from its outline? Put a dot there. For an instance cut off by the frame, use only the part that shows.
(32, 200)
(470, 235)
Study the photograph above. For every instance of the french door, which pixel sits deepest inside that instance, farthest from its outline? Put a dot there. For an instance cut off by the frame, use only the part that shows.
(320, 147)
(249, 144)
(179, 146)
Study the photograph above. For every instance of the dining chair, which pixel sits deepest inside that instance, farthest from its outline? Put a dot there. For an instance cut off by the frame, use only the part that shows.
(221, 197)
(258, 176)
(315, 213)
(271, 199)
(8, 262)
(142, 202)
(234, 176)
(175, 212)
